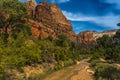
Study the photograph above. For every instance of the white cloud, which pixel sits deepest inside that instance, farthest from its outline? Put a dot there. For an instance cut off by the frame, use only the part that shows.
(60, 1)
(109, 20)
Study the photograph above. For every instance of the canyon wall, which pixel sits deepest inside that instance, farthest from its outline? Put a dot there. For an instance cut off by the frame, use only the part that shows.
(50, 21)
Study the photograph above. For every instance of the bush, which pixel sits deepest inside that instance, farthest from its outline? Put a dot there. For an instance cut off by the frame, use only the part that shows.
(106, 71)
(57, 67)
(96, 55)
(1, 71)
(69, 62)
(94, 62)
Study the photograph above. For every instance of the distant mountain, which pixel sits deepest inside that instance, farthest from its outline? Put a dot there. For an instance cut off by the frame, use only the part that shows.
(89, 37)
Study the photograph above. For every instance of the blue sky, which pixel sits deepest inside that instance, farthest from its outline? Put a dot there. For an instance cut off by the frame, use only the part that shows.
(93, 15)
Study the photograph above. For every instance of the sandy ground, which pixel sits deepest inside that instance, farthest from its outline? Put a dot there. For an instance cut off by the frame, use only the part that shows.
(80, 71)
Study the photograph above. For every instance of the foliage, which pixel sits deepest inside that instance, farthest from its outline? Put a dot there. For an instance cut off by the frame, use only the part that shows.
(106, 71)
(110, 47)
(107, 48)
(12, 17)
(17, 49)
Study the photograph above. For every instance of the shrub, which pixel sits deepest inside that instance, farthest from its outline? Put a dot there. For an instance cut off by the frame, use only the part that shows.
(94, 62)
(69, 62)
(57, 67)
(106, 71)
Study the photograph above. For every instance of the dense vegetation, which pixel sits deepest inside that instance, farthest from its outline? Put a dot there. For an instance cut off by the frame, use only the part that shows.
(18, 48)
(107, 48)
(110, 47)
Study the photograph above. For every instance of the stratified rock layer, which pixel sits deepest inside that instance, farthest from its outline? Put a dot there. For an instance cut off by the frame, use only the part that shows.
(31, 4)
(52, 22)
(88, 37)
(50, 17)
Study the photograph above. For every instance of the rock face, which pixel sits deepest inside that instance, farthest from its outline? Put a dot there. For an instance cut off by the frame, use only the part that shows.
(86, 37)
(89, 37)
(63, 25)
(109, 33)
(40, 31)
(52, 22)
(43, 14)
(50, 18)
(31, 4)
(58, 16)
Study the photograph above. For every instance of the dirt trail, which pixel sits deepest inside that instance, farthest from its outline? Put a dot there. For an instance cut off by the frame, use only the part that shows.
(80, 71)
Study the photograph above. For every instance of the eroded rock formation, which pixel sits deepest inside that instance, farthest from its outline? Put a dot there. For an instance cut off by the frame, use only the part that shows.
(52, 19)
(88, 37)
(31, 4)
(52, 22)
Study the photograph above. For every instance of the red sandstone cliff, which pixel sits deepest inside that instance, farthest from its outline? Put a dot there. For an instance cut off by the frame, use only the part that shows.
(88, 37)
(50, 18)
(31, 4)
(52, 22)
(85, 37)
(40, 31)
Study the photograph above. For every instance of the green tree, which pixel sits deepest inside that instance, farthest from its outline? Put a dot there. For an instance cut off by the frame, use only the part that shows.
(110, 46)
(106, 71)
(12, 16)
(118, 25)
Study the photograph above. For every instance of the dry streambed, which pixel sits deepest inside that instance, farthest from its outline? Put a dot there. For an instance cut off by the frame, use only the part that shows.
(81, 71)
